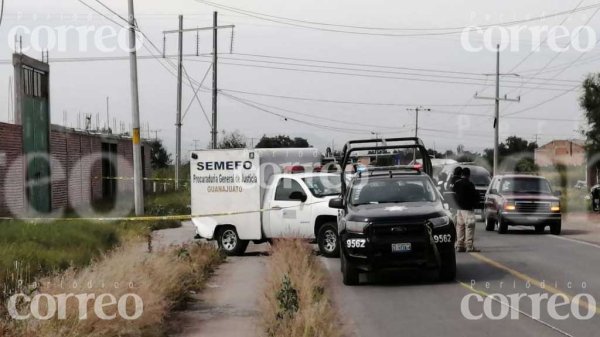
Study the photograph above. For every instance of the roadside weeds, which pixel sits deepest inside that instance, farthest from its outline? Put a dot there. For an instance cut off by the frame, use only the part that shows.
(163, 280)
(295, 301)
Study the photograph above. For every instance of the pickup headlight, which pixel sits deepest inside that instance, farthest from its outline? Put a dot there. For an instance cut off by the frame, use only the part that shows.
(555, 207)
(440, 222)
(510, 206)
(355, 226)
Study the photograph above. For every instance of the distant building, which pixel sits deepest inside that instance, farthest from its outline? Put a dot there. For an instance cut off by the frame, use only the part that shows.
(561, 152)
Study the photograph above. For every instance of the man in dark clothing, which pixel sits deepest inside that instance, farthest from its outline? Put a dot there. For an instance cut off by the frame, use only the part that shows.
(596, 198)
(466, 201)
(456, 175)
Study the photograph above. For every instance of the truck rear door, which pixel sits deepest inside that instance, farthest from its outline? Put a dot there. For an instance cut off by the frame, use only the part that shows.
(225, 182)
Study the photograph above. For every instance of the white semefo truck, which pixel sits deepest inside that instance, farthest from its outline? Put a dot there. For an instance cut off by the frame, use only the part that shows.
(257, 195)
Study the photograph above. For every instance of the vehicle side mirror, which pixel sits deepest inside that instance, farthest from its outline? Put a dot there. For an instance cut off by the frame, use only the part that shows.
(493, 191)
(298, 196)
(558, 193)
(336, 203)
(450, 199)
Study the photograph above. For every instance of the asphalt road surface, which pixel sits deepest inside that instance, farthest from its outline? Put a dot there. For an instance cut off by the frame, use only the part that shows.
(521, 262)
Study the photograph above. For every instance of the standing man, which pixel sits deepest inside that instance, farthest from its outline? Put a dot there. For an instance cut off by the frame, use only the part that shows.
(456, 176)
(596, 198)
(466, 200)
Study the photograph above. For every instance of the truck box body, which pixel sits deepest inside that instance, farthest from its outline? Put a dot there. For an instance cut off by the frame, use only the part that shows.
(234, 180)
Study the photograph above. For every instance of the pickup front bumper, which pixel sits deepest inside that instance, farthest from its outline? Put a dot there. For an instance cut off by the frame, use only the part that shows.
(531, 219)
(377, 253)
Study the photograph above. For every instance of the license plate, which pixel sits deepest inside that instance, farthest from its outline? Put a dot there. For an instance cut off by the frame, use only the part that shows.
(401, 247)
(533, 218)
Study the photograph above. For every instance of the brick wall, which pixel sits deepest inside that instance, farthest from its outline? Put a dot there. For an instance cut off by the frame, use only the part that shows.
(76, 168)
(560, 152)
(12, 189)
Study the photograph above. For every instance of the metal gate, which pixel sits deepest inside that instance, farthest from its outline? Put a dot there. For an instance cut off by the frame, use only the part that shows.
(35, 118)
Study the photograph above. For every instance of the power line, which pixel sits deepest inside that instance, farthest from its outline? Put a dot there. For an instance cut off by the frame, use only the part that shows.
(101, 14)
(384, 66)
(112, 11)
(543, 102)
(287, 118)
(545, 39)
(299, 98)
(196, 94)
(366, 75)
(558, 54)
(480, 78)
(431, 31)
(340, 121)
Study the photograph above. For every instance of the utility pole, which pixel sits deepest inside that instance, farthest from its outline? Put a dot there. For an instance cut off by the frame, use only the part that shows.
(107, 113)
(497, 100)
(214, 82)
(179, 104)
(214, 28)
(138, 191)
(416, 110)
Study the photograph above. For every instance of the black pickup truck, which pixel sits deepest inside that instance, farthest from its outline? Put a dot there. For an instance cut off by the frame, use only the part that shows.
(393, 217)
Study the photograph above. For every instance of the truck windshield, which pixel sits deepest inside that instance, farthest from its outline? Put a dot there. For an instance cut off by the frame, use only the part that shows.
(525, 185)
(393, 190)
(322, 186)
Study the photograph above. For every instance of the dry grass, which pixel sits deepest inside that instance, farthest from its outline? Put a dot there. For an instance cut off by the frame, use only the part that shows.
(163, 280)
(304, 309)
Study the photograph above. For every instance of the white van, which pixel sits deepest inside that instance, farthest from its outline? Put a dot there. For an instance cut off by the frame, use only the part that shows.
(257, 195)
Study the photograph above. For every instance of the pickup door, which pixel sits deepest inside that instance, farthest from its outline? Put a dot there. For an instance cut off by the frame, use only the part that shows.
(289, 218)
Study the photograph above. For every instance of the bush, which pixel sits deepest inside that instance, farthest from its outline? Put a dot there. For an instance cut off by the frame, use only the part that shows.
(295, 303)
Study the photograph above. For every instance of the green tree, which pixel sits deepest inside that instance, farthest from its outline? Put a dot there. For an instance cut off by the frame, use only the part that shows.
(590, 102)
(514, 145)
(159, 157)
(281, 141)
(233, 140)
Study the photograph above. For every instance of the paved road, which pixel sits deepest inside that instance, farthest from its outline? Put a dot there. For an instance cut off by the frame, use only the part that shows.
(412, 304)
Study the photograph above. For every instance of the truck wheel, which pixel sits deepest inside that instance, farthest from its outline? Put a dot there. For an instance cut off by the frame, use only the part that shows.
(556, 228)
(489, 224)
(502, 226)
(328, 241)
(230, 243)
(448, 267)
(349, 273)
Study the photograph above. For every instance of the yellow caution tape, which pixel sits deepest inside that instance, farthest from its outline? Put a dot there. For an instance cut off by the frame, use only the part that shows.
(154, 218)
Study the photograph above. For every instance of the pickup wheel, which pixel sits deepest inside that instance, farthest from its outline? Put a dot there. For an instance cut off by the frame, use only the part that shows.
(490, 225)
(556, 228)
(448, 267)
(229, 242)
(350, 275)
(502, 226)
(327, 238)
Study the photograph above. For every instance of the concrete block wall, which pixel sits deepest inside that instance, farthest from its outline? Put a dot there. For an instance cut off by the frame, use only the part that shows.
(76, 168)
(12, 188)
